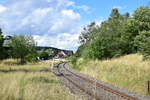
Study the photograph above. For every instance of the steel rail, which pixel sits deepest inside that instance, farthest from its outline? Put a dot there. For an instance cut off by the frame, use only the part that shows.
(125, 96)
(78, 86)
(98, 85)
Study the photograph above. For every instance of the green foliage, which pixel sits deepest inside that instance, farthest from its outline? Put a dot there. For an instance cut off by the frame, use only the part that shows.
(80, 50)
(73, 60)
(31, 57)
(142, 40)
(46, 54)
(143, 43)
(87, 33)
(106, 40)
(23, 47)
(142, 14)
(119, 35)
(128, 35)
(95, 50)
(134, 26)
(1, 38)
(2, 51)
(43, 55)
(50, 53)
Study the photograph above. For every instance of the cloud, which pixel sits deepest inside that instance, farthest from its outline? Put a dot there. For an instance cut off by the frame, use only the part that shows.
(70, 14)
(63, 41)
(48, 19)
(119, 7)
(2, 8)
(84, 7)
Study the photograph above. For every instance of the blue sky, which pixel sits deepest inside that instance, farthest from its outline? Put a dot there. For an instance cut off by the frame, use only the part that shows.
(58, 23)
(100, 9)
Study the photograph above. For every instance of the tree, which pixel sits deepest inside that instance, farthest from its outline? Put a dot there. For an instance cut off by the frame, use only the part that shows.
(22, 46)
(134, 27)
(107, 42)
(1, 45)
(1, 38)
(115, 14)
(95, 50)
(142, 41)
(119, 35)
(86, 36)
(88, 33)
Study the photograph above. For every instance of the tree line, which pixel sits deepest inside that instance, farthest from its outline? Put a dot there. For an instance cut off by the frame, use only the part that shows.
(119, 35)
(23, 48)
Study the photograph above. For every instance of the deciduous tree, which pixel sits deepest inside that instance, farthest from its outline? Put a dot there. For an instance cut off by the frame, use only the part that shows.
(23, 46)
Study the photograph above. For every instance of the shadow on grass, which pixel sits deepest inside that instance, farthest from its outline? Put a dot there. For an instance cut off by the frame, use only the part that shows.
(25, 70)
(43, 80)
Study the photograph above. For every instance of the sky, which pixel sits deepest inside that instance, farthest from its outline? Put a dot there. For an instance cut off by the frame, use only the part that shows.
(58, 23)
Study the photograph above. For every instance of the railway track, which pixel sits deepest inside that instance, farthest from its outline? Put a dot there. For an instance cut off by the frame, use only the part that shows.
(94, 88)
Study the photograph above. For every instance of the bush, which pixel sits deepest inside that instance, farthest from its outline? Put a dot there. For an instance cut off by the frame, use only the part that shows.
(31, 58)
(95, 50)
(2, 53)
(73, 60)
(44, 55)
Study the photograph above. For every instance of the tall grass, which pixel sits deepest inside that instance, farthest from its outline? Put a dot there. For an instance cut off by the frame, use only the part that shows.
(129, 72)
(30, 85)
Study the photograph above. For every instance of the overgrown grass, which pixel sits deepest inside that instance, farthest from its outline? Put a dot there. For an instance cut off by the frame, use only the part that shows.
(129, 72)
(11, 64)
(31, 85)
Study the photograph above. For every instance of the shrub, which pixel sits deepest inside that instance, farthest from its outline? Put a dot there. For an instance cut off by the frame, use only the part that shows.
(43, 55)
(73, 60)
(31, 58)
(95, 50)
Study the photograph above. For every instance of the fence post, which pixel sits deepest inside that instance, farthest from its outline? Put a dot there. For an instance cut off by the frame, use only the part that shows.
(148, 86)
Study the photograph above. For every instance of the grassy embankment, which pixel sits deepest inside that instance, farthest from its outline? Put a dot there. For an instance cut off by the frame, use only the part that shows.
(30, 85)
(129, 72)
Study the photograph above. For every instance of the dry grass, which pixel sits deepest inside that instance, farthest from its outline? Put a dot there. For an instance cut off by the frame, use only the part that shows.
(129, 72)
(12, 64)
(31, 85)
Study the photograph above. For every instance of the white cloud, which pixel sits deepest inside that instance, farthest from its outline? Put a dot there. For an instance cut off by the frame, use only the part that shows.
(71, 14)
(51, 22)
(84, 7)
(63, 41)
(70, 3)
(80, 7)
(67, 22)
(119, 7)
(37, 16)
(2, 8)
(30, 16)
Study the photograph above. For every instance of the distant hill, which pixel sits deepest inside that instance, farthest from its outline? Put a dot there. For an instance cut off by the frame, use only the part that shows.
(58, 53)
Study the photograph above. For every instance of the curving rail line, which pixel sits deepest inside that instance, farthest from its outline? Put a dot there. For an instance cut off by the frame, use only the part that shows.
(93, 83)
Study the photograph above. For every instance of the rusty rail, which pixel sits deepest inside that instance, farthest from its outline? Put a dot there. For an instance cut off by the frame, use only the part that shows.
(94, 83)
(148, 87)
